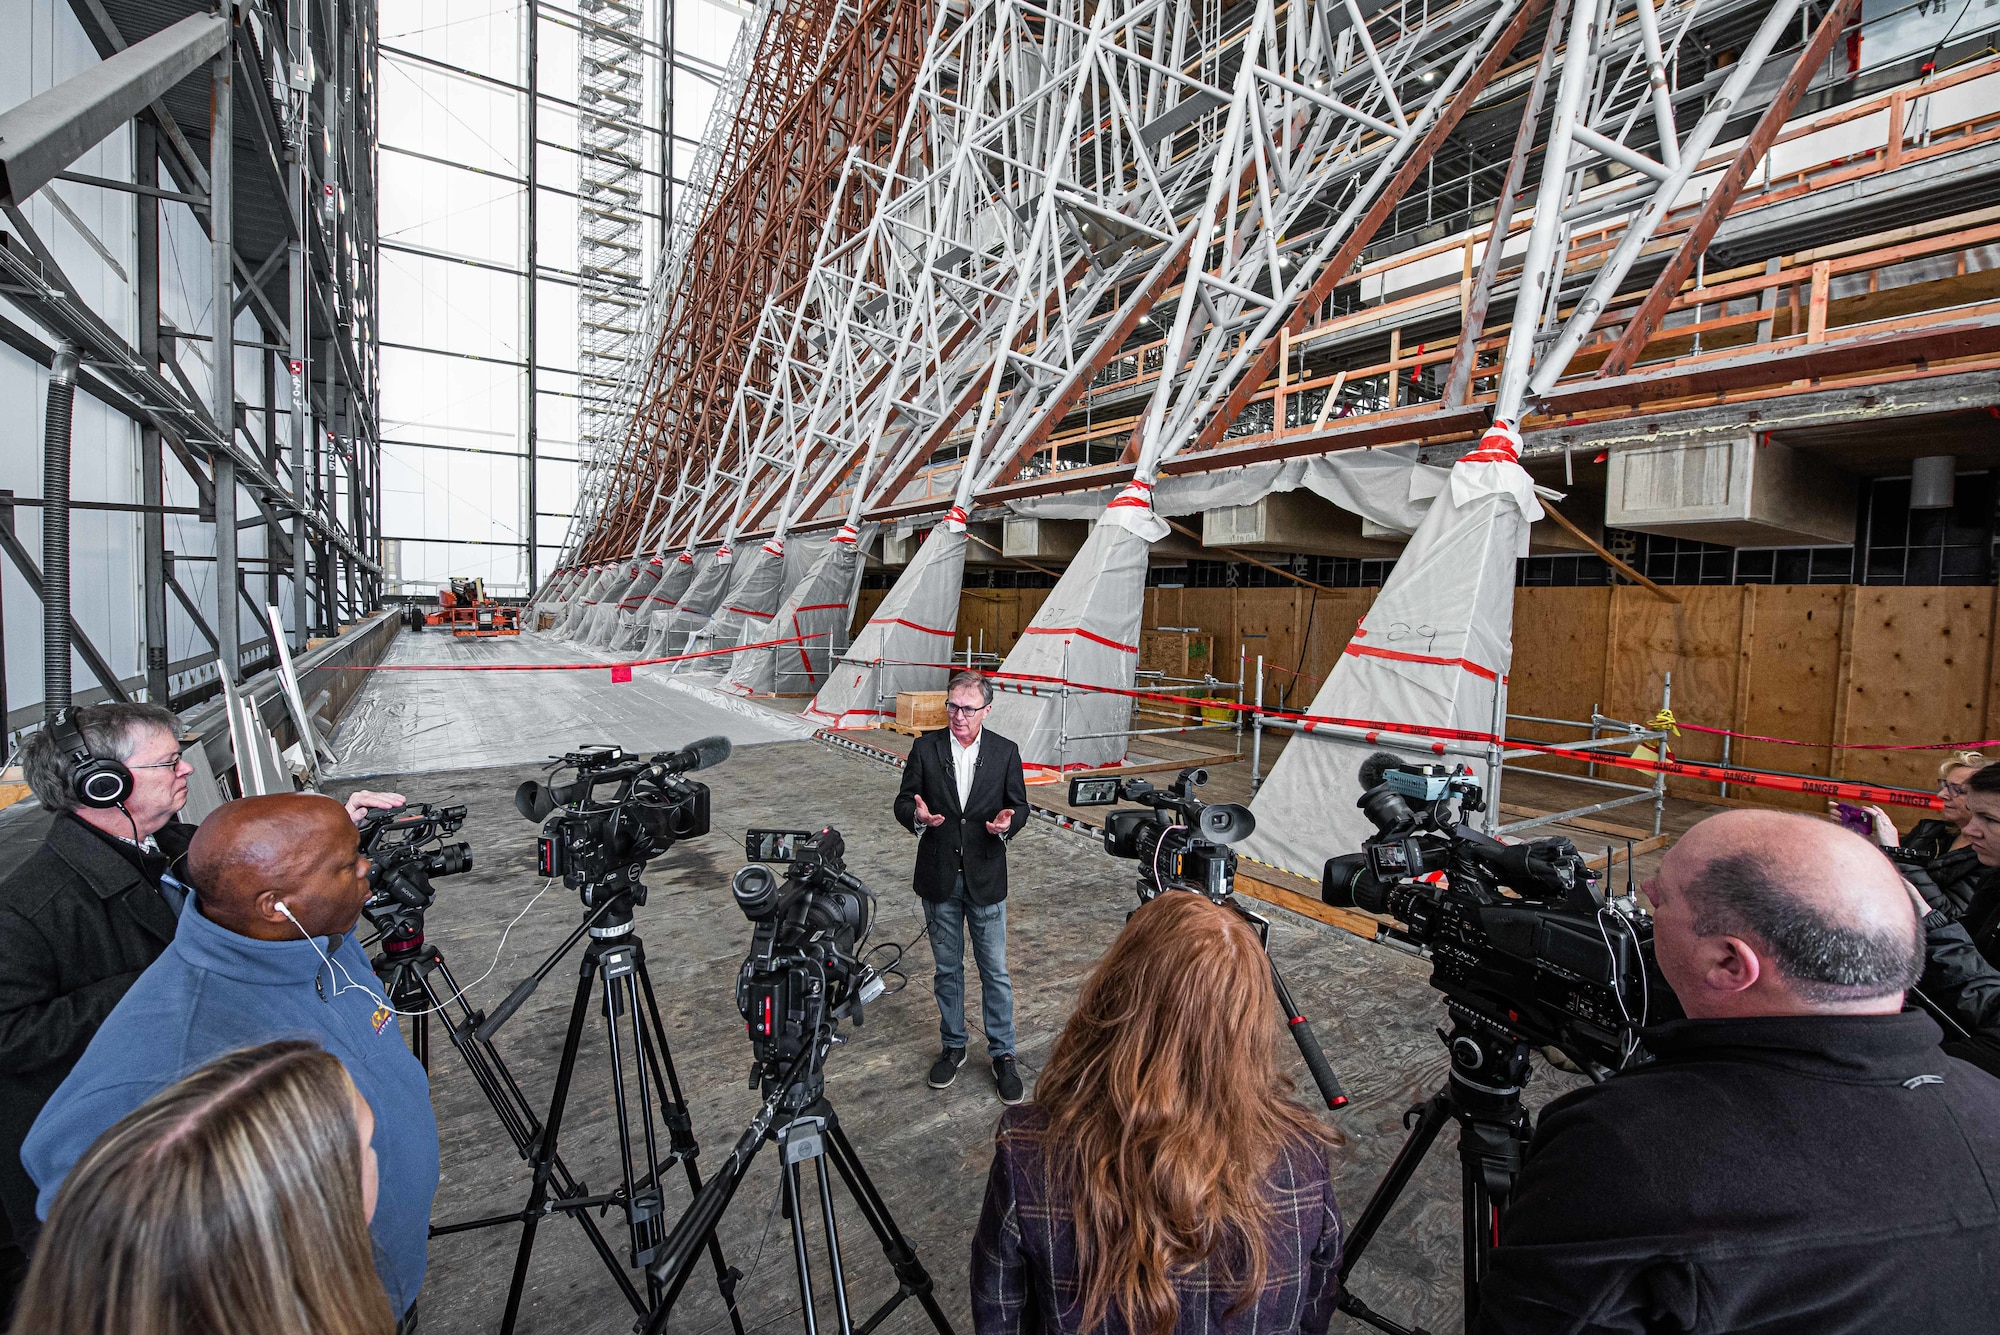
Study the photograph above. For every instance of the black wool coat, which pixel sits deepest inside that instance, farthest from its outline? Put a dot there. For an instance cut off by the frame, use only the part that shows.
(1824, 1175)
(963, 841)
(79, 922)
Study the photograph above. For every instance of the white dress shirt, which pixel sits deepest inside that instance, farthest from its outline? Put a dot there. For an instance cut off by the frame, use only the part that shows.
(963, 761)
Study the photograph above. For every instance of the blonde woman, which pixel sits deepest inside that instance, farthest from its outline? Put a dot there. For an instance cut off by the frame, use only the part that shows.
(1163, 1181)
(1932, 837)
(235, 1202)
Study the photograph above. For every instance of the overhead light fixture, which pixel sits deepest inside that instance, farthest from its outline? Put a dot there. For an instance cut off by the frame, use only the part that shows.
(1933, 482)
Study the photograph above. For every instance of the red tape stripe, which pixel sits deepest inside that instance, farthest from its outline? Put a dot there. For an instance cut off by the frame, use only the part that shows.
(898, 621)
(1370, 651)
(1078, 630)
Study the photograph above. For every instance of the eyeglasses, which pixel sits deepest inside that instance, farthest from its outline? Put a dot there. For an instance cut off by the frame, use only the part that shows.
(173, 763)
(1950, 789)
(963, 710)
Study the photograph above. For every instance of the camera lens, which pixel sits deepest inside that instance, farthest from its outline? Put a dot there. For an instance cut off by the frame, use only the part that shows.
(756, 891)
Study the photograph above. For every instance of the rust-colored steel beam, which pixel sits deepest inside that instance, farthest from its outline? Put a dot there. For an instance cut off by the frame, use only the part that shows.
(1667, 286)
(1343, 259)
(798, 120)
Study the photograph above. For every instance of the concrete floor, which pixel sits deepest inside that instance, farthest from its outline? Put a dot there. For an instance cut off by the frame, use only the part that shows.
(472, 737)
(928, 1151)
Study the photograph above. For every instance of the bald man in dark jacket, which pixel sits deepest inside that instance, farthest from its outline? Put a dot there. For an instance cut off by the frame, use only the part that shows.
(1800, 1158)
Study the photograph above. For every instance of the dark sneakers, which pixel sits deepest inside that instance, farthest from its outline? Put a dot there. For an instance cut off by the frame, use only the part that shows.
(1008, 1079)
(945, 1069)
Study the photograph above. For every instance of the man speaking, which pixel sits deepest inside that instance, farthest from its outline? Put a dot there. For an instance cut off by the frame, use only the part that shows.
(964, 797)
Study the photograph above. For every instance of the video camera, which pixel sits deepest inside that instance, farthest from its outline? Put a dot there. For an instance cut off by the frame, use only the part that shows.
(1523, 943)
(1178, 840)
(600, 847)
(805, 971)
(405, 848)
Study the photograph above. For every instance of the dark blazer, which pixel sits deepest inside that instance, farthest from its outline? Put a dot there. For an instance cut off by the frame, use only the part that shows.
(1026, 1274)
(1792, 1176)
(79, 922)
(962, 841)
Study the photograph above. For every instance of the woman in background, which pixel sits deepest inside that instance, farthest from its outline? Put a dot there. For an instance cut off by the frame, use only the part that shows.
(1162, 1179)
(235, 1202)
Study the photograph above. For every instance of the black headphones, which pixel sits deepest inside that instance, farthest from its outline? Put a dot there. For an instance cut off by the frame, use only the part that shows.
(93, 780)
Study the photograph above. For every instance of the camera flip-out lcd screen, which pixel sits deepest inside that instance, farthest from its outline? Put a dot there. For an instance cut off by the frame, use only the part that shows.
(1093, 792)
(774, 845)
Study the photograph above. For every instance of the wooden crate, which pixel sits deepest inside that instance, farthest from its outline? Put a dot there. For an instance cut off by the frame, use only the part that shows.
(919, 711)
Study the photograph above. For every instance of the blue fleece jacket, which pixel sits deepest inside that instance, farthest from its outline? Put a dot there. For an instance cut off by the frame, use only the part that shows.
(213, 992)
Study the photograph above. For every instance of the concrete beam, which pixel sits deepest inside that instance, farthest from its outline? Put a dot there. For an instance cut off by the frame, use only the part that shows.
(45, 134)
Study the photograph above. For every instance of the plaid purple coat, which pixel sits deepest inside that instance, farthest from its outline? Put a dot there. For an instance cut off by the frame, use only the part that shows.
(1024, 1257)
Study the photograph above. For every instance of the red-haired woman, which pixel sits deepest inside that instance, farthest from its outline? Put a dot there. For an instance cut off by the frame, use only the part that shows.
(1162, 1179)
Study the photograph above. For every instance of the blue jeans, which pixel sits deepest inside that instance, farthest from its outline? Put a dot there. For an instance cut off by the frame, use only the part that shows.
(947, 923)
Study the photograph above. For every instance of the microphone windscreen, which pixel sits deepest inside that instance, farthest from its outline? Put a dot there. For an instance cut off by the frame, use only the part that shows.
(710, 751)
(1376, 768)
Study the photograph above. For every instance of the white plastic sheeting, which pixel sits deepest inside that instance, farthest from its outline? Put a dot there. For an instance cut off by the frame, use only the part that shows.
(618, 627)
(1433, 652)
(409, 722)
(695, 606)
(1086, 634)
(816, 612)
(746, 613)
(598, 623)
(659, 604)
(1386, 486)
(583, 603)
(906, 645)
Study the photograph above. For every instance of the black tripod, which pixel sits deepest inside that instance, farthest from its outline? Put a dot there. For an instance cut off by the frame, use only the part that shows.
(797, 1116)
(1298, 1025)
(1489, 1064)
(617, 955)
(406, 966)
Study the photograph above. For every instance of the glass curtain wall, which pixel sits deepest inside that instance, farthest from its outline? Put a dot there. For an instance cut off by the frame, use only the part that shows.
(481, 167)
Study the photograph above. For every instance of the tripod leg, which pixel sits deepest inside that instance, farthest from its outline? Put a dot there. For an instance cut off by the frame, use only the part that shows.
(680, 1128)
(544, 1154)
(642, 1189)
(1432, 1114)
(910, 1272)
(795, 1212)
(503, 1092)
(833, 1245)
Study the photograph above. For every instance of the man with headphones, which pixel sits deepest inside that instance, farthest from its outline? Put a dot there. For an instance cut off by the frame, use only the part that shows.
(266, 949)
(90, 909)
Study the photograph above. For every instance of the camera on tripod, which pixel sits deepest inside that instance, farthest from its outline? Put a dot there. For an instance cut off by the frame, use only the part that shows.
(600, 846)
(1522, 941)
(1178, 841)
(405, 848)
(805, 971)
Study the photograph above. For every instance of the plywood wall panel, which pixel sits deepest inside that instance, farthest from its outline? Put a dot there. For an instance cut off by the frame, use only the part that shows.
(1919, 674)
(1559, 660)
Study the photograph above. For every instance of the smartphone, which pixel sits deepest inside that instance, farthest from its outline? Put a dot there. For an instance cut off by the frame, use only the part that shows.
(1855, 818)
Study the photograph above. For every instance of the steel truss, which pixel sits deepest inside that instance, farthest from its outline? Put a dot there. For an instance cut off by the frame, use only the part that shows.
(1132, 209)
(284, 111)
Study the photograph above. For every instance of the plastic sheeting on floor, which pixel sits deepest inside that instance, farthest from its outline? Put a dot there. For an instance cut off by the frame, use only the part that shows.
(1086, 634)
(747, 610)
(906, 645)
(694, 607)
(817, 612)
(1433, 651)
(408, 722)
